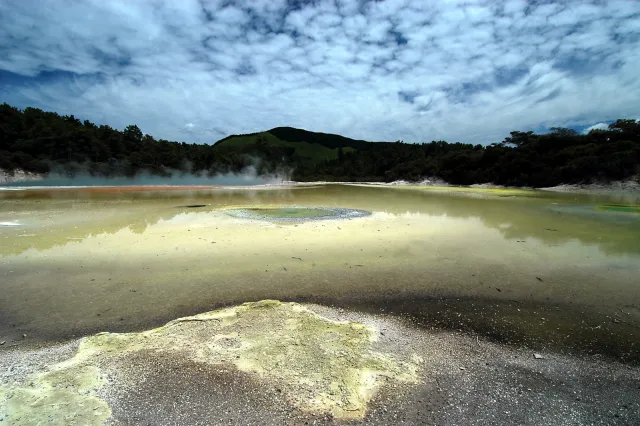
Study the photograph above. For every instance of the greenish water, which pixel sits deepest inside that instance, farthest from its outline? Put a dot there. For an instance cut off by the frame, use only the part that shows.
(620, 208)
(526, 267)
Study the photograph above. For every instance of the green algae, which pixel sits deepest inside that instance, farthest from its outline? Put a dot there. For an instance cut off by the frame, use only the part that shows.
(619, 208)
(324, 366)
(499, 192)
(468, 190)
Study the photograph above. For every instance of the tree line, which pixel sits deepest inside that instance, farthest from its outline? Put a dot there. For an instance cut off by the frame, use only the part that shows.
(39, 141)
(522, 159)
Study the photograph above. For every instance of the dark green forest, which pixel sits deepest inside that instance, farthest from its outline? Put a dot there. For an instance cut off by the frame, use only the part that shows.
(522, 159)
(42, 142)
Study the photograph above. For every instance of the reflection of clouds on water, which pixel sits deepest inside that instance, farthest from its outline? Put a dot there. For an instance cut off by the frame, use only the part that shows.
(57, 234)
(555, 219)
(192, 218)
(73, 215)
(390, 216)
(157, 255)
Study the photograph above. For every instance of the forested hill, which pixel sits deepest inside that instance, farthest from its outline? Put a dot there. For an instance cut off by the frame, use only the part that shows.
(300, 149)
(291, 134)
(39, 141)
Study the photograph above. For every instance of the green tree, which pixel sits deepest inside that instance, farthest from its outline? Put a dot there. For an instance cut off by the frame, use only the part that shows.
(630, 127)
(520, 139)
(563, 132)
(132, 133)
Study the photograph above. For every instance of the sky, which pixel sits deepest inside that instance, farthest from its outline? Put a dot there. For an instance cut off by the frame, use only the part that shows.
(198, 70)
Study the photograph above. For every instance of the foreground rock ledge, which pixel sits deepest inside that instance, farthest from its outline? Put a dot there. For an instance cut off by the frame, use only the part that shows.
(321, 366)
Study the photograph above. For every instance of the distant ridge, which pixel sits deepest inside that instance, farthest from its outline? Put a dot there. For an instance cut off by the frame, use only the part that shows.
(226, 138)
(292, 134)
(303, 145)
(329, 140)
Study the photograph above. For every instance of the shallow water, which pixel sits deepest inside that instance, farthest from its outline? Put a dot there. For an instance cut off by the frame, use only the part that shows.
(527, 267)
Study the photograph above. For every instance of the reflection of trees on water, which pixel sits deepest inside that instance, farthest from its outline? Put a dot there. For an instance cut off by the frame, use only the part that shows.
(555, 228)
(516, 218)
(44, 238)
(135, 211)
(571, 219)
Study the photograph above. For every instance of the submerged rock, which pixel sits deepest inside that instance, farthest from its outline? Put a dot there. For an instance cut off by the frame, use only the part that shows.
(322, 366)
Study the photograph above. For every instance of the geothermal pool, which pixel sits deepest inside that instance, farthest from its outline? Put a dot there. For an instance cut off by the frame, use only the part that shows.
(514, 265)
(439, 303)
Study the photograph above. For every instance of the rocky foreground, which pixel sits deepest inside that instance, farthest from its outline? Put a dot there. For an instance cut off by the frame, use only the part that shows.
(285, 363)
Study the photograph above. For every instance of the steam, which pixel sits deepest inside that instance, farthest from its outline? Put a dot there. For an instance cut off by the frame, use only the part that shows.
(248, 177)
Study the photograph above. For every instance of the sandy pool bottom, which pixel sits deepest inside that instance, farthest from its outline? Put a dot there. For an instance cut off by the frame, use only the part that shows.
(270, 362)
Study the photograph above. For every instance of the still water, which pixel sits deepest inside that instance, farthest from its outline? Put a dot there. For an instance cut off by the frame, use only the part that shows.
(524, 267)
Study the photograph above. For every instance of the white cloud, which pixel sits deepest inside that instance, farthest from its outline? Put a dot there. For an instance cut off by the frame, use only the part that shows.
(475, 70)
(598, 126)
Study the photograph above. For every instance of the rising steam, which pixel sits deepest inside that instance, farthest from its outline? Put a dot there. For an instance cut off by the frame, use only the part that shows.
(248, 176)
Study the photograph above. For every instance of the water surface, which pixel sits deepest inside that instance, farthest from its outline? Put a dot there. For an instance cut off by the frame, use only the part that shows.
(526, 267)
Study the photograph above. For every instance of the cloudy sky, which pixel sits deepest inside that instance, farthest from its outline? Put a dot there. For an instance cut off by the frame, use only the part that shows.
(197, 70)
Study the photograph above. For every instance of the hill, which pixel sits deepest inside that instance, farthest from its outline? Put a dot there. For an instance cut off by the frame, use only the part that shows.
(301, 145)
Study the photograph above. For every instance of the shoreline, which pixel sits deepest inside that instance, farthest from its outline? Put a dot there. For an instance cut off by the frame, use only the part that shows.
(599, 332)
(13, 179)
(628, 186)
(225, 366)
